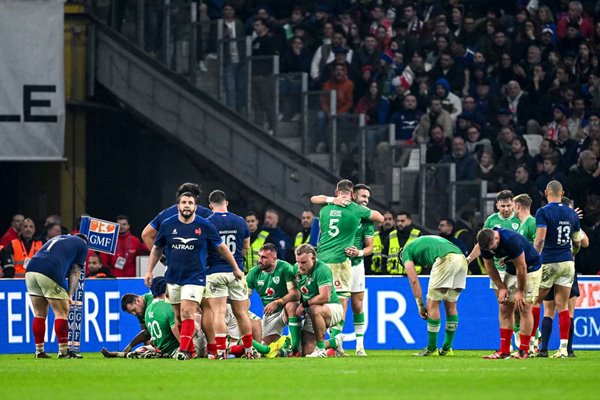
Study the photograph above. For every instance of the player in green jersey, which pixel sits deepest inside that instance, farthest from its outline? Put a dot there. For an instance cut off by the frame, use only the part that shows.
(448, 278)
(363, 246)
(527, 228)
(320, 304)
(274, 281)
(338, 225)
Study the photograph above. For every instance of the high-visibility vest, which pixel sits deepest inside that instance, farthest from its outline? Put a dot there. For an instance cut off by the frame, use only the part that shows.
(251, 258)
(299, 239)
(393, 262)
(20, 255)
(377, 256)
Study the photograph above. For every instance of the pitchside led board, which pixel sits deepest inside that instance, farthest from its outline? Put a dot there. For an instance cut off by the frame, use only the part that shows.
(391, 316)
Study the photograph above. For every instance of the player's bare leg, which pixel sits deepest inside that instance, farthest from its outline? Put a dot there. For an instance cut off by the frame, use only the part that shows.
(320, 317)
(433, 327)
(218, 307)
(188, 310)
(451, 326)
(240, 310)
(507, 310)
(60, 308)
(561, 298)
(526, 328)
(40, 313)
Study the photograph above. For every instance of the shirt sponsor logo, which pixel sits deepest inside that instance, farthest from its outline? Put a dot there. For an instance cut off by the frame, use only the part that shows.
(270, 292)
(184, 244)
(260, 283)
(304, 289)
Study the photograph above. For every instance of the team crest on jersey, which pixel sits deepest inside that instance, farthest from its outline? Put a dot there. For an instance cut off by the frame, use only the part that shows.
(270, 292)
(276, 280)
(304, 289)
(198, 231)
(515, 226)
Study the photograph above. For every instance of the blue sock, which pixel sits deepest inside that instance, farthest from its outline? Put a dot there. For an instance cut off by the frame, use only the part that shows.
(546, 332)
(570, 344)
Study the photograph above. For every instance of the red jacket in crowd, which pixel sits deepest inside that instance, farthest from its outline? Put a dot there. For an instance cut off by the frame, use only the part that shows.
(122, 263)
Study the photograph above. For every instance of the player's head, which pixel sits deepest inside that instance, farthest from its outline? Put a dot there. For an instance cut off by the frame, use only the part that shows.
(267, 257)
(567, 201)
(159, 286)
(446, 226)
(388, 220)
(186, 204)
(133, 304)
(252, 220)
(189, 187)
(306, 257)
(217, 199)
(93, 262)
(82, 237)
(403, 220)
(306, 219)
(271, 218)
(123, 221)
(488, 239)
(522, 202)
(344, 188)
(504, 203)
(554, 191)
(362, 194)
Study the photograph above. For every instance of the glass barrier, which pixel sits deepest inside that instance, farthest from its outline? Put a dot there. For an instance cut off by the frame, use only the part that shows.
(262, 74)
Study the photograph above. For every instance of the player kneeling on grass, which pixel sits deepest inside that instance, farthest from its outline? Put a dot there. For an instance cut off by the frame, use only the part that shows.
(274, 281)
(320, 303)
(519, 287)
(447, 280)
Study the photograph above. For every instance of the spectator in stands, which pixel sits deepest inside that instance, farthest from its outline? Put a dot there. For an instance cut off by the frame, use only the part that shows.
(344, 88)
(442, 44)
(234, 52)
(368, 54)
(488, 171)
(19, 251)
(295, 58)
(95, 267)
(503, 142)
(339, 54)
(475, 143)
(387, 73)
(446, 230)
(522, 183)
(374, 106)
(560, 117)
(519, 154)
(122, 264)
(550, 173)
(411, 17)
(519, 103)
(447, 69)
(51, 230)
(13, 231)
(438, 146)
(585, 180)
(276, 235)
(263, 88)
(450, 101)
(466, 164)
(567, 148)
(547, 147)
(435, 115)
(486, 105)
(575, 16)
(406, 121)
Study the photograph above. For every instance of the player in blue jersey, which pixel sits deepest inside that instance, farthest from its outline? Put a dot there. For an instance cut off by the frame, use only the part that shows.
(61, 257)
(151, 230)
(222, 282)
(185, 240)
(520, 285)
(557, 238)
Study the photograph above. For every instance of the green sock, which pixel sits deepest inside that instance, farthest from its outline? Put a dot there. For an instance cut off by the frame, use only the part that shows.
(359, 329)
(295, 330)
(433, 327)
(517, 327)
(261, 348)
(321, 344)
(451, 324)
(335, 330)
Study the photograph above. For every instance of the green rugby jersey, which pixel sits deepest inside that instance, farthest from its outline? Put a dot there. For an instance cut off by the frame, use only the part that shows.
(159, 321)
(365, 230)
(273, 285)
(320, 276)
(424, 250)
(338, 227)
(528, 228)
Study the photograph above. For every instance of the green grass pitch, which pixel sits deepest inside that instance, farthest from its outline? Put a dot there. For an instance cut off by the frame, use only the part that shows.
(381, 375)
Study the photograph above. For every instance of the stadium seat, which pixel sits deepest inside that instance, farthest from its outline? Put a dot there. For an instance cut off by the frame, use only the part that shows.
(533, 143)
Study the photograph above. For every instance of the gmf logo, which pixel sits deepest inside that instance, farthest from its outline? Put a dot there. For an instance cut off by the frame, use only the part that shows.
(102, 227)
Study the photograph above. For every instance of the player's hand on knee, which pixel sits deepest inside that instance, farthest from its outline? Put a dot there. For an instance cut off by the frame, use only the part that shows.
(238, 274)
(502, 295)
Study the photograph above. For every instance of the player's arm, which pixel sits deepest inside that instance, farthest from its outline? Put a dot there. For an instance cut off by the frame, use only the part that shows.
(368, 246)
(321, 199)
(142, 336)
(415, 286)
(585, 240)
(376, 216)
(493, 273)
(228, 256)
(246, 246)
(155, 255)
(292, 295)
(74, 275)
(540, 238)
(521, 267)
(476, 252)
(149, 236)
(175, 331)
(323, 297)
